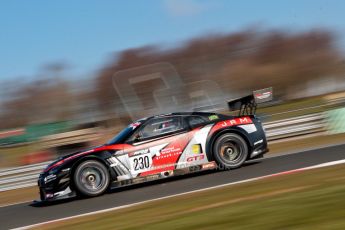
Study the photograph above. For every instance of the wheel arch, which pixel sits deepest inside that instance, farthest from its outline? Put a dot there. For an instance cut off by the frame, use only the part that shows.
(86, 158)
(218, 133)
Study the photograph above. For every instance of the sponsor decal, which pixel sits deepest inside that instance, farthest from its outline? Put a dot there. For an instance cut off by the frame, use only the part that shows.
(152, 177)
(169, 156)
(209, 165)
(162, 166)
(169, 152)
(142, 151)
(213, 117)
(236, 121)
(232, 122)
(196, 148)
(263, 95)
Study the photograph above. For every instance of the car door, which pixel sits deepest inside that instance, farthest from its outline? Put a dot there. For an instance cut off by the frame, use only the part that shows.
(195, 151)
(157, 146)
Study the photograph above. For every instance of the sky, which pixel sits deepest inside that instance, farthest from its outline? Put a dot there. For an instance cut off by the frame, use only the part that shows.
(85, 34)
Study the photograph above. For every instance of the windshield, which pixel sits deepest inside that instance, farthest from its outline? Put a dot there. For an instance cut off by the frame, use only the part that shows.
(124, 134)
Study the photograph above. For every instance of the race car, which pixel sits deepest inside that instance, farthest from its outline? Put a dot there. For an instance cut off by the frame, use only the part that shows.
(158, 147)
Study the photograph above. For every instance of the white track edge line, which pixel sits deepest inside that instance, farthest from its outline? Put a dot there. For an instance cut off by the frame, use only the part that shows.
(332, 163)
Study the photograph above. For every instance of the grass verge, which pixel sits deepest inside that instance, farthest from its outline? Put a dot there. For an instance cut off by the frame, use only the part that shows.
(294, 145)
(308, 200)
(18, 195)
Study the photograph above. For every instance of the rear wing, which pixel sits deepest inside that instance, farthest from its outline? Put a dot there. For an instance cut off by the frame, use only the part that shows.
(247, 105)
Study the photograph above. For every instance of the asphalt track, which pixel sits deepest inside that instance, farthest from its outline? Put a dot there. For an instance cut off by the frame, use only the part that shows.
(25, 214)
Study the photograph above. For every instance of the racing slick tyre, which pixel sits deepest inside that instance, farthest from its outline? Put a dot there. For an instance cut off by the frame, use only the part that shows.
(91, 178)
(230, 151)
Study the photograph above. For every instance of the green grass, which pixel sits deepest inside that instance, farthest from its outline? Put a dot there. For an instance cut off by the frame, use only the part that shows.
(19, 195)
(295, 145)
(309, 200)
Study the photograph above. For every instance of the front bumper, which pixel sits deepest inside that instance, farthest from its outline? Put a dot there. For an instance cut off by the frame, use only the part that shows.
(54, 187)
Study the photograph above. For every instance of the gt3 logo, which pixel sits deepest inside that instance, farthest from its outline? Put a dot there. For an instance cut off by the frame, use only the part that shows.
(196, 158)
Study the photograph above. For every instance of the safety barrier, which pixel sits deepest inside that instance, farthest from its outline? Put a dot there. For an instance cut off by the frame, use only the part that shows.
(298, 126)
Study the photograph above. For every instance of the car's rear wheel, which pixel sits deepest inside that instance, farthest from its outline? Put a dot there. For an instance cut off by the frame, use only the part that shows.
(230, 151)
(91, 178)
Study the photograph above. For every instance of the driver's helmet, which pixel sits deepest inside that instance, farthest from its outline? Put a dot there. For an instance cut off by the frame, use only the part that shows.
(168, 125)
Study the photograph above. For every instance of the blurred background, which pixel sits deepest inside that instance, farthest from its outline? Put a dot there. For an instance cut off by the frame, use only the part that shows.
(73, 73)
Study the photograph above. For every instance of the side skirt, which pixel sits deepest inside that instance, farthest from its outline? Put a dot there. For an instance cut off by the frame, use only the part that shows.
(167, 174)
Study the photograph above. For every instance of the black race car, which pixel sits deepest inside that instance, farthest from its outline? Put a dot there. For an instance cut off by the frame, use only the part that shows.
(159, 147)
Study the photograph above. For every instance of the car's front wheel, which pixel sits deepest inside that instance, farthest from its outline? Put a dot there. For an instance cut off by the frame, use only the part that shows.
(230, 151)
(91, 178)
